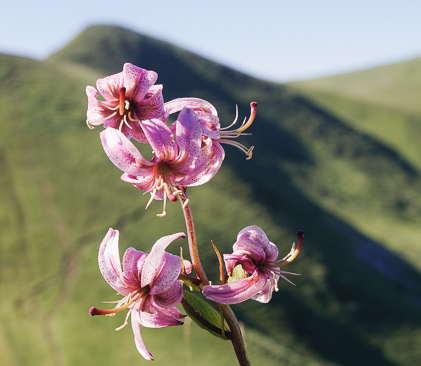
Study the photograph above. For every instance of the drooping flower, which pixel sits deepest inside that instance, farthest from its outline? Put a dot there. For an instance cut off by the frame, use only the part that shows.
(209, 121)
(148, 283)
(257, 256)
(130, 99)
(181, 157)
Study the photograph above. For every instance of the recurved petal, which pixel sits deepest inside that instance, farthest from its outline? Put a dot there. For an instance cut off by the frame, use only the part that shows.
(178, 104)
(161, 139)
(109, 87)
(133, 261)
(109, 262)
(206, 165)
(121, 151)
(96, 111)
(169, 298)
(161, 269)
(140, 345)
(188, 136)
(253, 242)
(137, 81)
(158, 319)
(236, 291)
(145, 183)
(205, 112)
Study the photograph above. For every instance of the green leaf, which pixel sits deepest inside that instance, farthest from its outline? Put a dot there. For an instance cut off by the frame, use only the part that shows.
(238, 273)
(201, 313)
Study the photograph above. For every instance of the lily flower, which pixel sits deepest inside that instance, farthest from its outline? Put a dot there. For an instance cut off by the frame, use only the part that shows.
(209, 121)
(148, 283)
(181, 157)
(130, 98)
(257, 257)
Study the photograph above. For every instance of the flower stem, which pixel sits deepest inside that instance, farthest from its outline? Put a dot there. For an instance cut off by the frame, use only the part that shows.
(191, 235)
(236, 336)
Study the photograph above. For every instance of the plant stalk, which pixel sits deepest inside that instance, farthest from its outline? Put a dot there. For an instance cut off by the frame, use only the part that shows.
(236, 336)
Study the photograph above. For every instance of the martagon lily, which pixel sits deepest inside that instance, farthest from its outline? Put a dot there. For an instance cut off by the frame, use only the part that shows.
(207, 116)
(257, 256)
(148, 283)
(130, 99)
(181, 157)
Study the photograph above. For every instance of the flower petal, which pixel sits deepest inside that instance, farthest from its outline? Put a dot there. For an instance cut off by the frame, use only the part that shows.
(169, 298)
(133, 261)
(125, 156)
(109, 262)
(137, 81)
(189, 138)
(109, 87)
(236, 291)
(161, 139)
(160, 318)
(140, 345)
(161, 269)
(253, 242)
(205, 112)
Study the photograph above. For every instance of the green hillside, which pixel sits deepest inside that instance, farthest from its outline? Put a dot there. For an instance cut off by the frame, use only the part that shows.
(355, 303)
(381, 103)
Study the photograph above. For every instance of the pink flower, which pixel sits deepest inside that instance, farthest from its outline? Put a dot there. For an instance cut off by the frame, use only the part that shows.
(209, 121)
(257, 256)
(181, 157)
(148, 283)
(130, 98)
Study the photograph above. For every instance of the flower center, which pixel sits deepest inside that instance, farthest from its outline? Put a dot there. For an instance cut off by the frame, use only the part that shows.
(124, 109)
(163, 182)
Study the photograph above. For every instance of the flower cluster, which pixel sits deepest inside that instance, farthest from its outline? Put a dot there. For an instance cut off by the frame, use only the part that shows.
(185, 153)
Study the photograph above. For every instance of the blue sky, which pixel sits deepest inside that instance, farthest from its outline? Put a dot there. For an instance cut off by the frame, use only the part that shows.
(275, 40)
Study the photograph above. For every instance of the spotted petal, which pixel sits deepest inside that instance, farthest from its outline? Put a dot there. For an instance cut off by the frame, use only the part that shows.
(109, 261)
(161, 269)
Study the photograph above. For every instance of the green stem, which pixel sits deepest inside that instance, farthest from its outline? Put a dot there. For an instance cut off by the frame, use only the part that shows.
(236, 336)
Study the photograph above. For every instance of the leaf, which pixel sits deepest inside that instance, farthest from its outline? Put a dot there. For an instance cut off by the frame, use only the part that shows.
(238, 273)
(204, 315)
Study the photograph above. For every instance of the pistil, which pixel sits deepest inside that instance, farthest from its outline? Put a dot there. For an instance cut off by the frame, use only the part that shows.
(122, 103)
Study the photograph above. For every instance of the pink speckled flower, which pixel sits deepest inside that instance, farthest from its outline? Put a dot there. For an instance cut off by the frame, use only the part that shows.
(181, 157)
(209, 121)
(148, 283)
(257, 256)
(130, 99)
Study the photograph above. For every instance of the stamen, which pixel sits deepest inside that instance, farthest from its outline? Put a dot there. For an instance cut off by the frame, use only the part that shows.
(253, 106)
(126, 123)
(165, 202)
(292, 254)
(89, 125)
(235, 120)
(130, 300)
(102, 119)
(131, 118)
(151, 199)
(125, 321)
(248, 152)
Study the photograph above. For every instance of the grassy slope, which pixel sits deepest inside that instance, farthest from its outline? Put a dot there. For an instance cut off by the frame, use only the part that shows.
(382, 104)
(61, 195)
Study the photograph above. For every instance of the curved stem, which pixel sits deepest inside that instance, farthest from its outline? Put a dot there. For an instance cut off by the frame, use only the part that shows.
(191, 235)
(236, 336)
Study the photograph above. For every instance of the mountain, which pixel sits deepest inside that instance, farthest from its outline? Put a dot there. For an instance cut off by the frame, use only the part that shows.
(357, 300)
